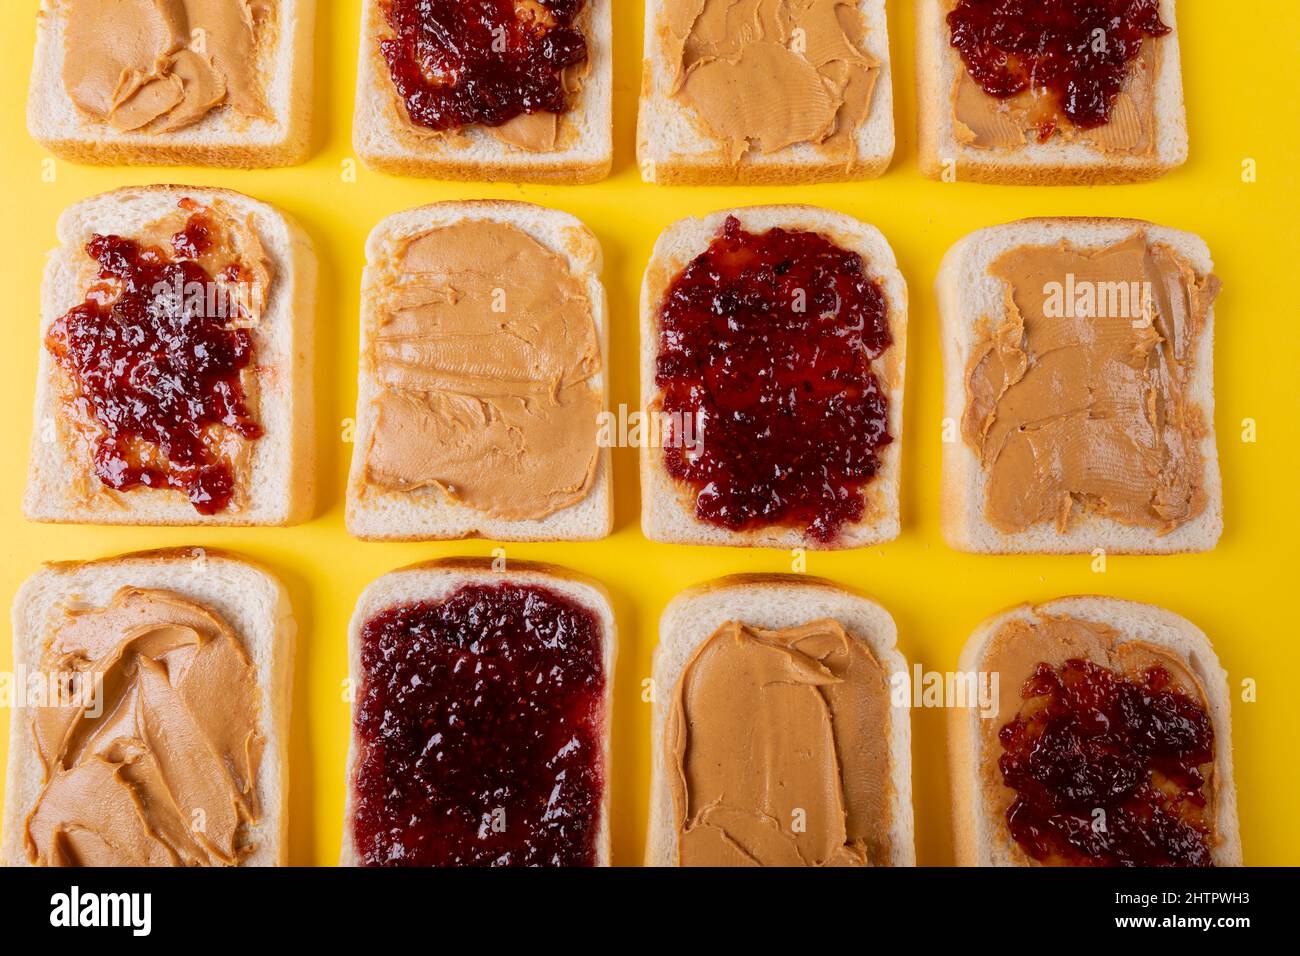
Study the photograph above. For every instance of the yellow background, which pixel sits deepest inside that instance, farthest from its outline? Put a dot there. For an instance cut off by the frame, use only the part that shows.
(1241, 82)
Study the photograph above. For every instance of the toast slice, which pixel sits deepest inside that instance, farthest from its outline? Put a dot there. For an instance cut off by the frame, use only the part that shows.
(979, 798)
(436, 581)
(224, 136)
(675, 147)
(946, 155)
(775, 602)
(971, 302)
(432, 512)
(386, 140)
(277, 486)
(251, 602)
(668, 509)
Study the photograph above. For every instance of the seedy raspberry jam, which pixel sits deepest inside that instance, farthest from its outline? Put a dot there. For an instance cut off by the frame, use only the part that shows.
(766, 341)
(481, 723)
(1079, 50)
(460, 62)
(1090, 740)
(157, 371)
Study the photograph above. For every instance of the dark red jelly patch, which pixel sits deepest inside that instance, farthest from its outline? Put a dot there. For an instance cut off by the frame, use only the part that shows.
(766, 342)
(481, 720)
(456, 63)
(1108, 770)
(1079, 50)
(155, 361)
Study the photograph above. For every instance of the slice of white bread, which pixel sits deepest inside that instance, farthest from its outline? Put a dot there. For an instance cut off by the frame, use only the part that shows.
(968, 295)
(248, 598)
(437, 580)
(385, 140)
(667, 510)
(981, 835)
(428, 514)
(673, 148)
(222, 138)
(281, 481)
(773, 602)
(1054, 163)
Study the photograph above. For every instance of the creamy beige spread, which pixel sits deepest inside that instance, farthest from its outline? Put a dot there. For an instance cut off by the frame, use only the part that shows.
(777, 750)
(166, 774)
(485, 351)
(988, 122)
(1079, 396)
(762, 75)
(161, 65)
(1020, 645)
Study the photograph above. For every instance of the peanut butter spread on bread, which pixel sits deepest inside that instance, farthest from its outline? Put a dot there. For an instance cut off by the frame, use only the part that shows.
(485, 353)
(763, 75)
(777, 747)
(1080, 397)
(159, 767)
(162, 65)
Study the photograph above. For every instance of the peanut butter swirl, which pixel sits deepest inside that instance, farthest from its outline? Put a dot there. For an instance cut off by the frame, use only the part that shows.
(164, 774)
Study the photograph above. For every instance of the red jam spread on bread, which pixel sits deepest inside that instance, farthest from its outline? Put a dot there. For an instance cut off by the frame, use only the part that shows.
(1108, 770)
(1079, 50)
(481, 727)
(155, 356)
(766, 342)
(458, 63)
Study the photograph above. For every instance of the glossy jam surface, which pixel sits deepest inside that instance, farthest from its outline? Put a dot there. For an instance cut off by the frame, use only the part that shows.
(766, 342)
(456, 63)
(1108, 770)
(156, 367)
(1079, 50)
(481, 721)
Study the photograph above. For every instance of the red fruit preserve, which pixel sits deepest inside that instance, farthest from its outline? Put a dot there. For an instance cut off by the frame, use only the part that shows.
(766, 343)
(481, 727)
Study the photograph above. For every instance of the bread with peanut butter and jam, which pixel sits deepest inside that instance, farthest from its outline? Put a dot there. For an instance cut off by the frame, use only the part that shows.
(781, 730)
(765, 92)
(175, 383)
(1109, 742)
(510, 90)
(482, 383)
(153, 718)
(174, 82)
(1079, 390)
(1049, 92)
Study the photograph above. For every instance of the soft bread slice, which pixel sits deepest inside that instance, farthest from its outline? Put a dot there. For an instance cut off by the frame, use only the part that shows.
(981, 835)
(773, 602)
(222, 138)
(436, 580)
(427, 514)
(1054, 163)
(251, 601)
(667, 510)
(385, 140)
(674, 148)
(968, 294)
(281, 488)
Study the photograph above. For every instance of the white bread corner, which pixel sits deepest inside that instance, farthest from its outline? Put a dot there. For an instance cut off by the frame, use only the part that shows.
(667, 513)
(428, 514)
(222, 138)
(281, 477)
(967, 294)
(981, 838)
(383, 138)
(435, 580)
(674, 150)
(250, 600)
(1037, 164)
(773, 602)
